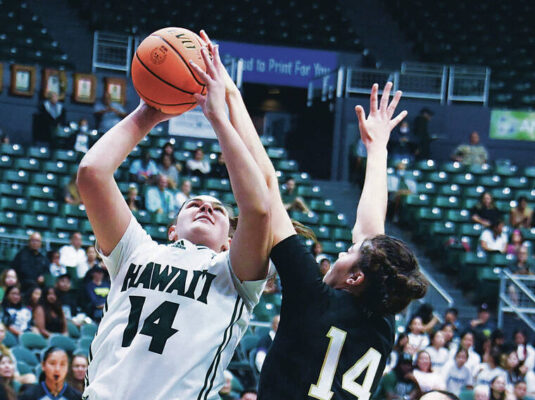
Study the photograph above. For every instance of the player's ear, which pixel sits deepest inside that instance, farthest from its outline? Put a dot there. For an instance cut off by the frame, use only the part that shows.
(356, 279)
(171, 233)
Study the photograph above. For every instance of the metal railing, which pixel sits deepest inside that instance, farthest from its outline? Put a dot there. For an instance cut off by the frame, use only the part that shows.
(424, 81)
(468, 83)
(112, 51)
(517, 296)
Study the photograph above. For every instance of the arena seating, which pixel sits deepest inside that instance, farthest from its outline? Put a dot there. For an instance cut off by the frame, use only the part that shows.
(315, 24)
(24, 39)
(476, 33)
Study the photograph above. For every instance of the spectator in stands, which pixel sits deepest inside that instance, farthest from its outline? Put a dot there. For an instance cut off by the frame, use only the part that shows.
(51, 115)
(219, 168)
(76, 375)
(358, 157)
(143, 170)
(317, 251)
(184, 194)
(429, 318)
(108, 113)
(483, 325)
(33, 297)
(198, 165)
(497, 389)
(402, 144)
(457, 375)
(3, 348)
(325, 265)
(522, 265)
(248, 394)
(167, 168)
(417, 338)
(524, 350)
(425, 376)
(264, 343)
(67, 297)
(70, 192)
(17, 317)
(159, 199)
(437, 351)
(452, 316)
(133, 200)
(73, 255)
(398, 349)
(490, 368)
(497, 339)
(399, 186)
(481, 392)
(517, 241)
(30, 264)
(226, 391)
(421, 131)
(466, 343)
(400, 383)
(293, 202)
(494, 239)
(485, 211)
(512, 367)
(521, 216)
(92, 259)
(52, 385)
(4, 138)
(472, 153)
(55, 269)
(520, 390)
(169, 149)
(48, 316)
(450, 335)
(97, 290)
(81, 139)
(7, 376)
(8, 278)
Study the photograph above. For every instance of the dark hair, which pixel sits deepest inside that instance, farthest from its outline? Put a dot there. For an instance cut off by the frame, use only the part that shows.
(496, 223)
(397, 345)
(521, 331)
(461, 350)
(520, 199)
(56, 307)
(496, 356)
(418, 356)
(5, 300)
(425, 312)
(171, 156)
(480, 203)
(502, 394)
(44, 356)
(392, 274)
(29, 294)
(452, 310)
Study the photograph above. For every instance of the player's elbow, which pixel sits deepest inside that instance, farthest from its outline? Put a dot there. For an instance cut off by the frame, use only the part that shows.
(88, 174)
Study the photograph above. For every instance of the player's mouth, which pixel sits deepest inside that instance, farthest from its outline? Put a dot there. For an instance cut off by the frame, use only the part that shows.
(204, 217)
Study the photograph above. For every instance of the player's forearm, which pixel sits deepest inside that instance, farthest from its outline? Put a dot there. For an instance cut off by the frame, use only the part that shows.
(372, 206)
(240, 119)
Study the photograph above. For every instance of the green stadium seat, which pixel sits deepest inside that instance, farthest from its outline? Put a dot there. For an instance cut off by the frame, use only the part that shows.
(228, 198)
(528, 234)
(31, 341)
(437, 177)
(474, 192)
(454, 167)
(506, 170)
(182, 156)
(322, 232)
(146, 142)
(489, 181)
(9, 218)
(529, 172)
(417, 200)
(450, 190)
(85, 343)
(67, 156)
(469, 203)
(57, 167)
(458, 215)
(27, 164)
(88, 330)
(503, 205)
(307, 191)
(470, 229)
(73, 210)
(158, 233)
(157, 131)
(520, 182)
(10, 340)
(342, 234)
(160, 219)
(463, 179)
(68, 224)
(222, 185)
(276, 153)
(38, 221)
(488, 274)
(333, 248)
(14, 150)
(479, 169)
(42, 153)
(74, 331)
(63, 342)
(466, 395)
(426, 165)
(286, 165)
(191, 145)
(446, 202)
(14, 204)
(215, 148)
(143, 216)
(333, 220)
(13, 176)
(85, 226)
(500, 260)
(125, 186)
(429, 214)
(23, 368)
(322, 205)
(426, 188)
(5, 162)
(44, 207)
(40, 192)
(300, 177)
(474, 259)
(23, 354)
(45, 179)
(528, 194)
(11, 189)
(502, 193)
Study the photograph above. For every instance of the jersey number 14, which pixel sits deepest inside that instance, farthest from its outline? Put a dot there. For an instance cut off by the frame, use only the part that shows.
(369, 362)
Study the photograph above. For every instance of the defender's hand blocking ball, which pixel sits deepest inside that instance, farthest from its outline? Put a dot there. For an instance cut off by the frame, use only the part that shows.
(161, 73)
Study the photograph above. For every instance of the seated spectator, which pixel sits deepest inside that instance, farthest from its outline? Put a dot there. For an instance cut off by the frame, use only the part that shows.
(7, 376)
(8, 278)
(169, 149)
(293, 202)
(399, 383)
(483, 325)
(51, 115)
(399, 186)
(73, 255)
(497, 389)
(520, 391)
(325, 265)
(494, 239)
(489, 369)
(219, 169)
(248, 394)
(317, 251)
(466, 343)
(485, 211)
(133, 200)
(472, 153)
(92, 258)
(3, 348)
(33, 297)
(425, 376)
(398, 350)
(184, 194)
(226, 390)
(143, 170)
(97, 290)
(17, 317)
(417, 338)
(30, 264)
(81, 138)
(76, 375)
(166, 168)
(108, 113)
(521, 216)
(457, 375)
(67, 297)
(403, 144)
(198, 165)
(452, 316)
(450, 336)
(70, 191)
(517, 241)
(264, 343)
(48, 315)
(429, 319)
(55, 269)
(481, 392)
(522, 265)
(54, 365)
(524, 350)
(159, 199)
(437, 351)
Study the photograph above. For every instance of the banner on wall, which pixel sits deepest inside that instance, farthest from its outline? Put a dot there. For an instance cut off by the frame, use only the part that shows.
(512, 125)
(193, 123)
(276, 65)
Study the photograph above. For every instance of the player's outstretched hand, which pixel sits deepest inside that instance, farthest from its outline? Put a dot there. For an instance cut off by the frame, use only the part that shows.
(213, 104)
(152, 114)
(375, 130)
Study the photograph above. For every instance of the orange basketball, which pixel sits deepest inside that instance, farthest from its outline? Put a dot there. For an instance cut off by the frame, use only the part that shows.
(161, 72)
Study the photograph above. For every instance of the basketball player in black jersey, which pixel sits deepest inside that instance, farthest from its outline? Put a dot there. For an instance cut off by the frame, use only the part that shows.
(335, 333)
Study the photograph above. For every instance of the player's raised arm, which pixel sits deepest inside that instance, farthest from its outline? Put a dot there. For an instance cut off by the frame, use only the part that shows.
(251, 243)
(106, 208)
(375, 132)
(239, 116)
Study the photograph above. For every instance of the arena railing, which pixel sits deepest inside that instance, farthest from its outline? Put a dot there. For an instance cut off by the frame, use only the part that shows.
(517, 297)
(469, 83)
(112, 51)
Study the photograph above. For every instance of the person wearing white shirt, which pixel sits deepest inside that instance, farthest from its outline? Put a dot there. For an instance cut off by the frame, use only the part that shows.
(467, 343)
(494, 239)
(456, 373)
(524, 350)
(417, 339)
(438, 353)
(198, 165)
(184, 194)
(423, 372)
(265, 343)
(73, 255)
(490, 369)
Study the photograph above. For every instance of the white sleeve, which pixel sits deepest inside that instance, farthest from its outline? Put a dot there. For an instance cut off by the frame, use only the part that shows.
(485, 236)
(133, 238)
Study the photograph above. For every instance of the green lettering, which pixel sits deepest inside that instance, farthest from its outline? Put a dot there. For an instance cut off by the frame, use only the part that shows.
(130, 277)
(162, 279)
(208, 278)
(179, 284)
(144, 278)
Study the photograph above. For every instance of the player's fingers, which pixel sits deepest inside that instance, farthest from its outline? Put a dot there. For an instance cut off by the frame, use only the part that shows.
(373, 98)
(361, 115)
(210, 69)
(205, 78)
(206, 39)
(201, 99)
(394, 103)
(398, 119)
(216, 57)
(385, 96)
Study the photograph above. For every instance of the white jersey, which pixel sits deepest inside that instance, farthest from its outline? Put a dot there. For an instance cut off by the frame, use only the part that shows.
(172, 320)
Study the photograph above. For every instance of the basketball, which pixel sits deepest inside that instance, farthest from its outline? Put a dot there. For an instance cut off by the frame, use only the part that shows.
(161, 72)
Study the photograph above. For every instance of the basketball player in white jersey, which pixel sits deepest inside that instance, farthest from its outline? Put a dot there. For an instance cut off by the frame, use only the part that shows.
(175, 313)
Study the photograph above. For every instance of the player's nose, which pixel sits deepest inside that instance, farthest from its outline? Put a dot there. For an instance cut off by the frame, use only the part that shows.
(207, 207)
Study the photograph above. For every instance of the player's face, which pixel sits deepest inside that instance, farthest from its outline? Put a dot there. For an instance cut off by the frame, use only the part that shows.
(203, 220)
(342, 269)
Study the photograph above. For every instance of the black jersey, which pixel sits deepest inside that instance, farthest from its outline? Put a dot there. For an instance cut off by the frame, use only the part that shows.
(327, 345)
(40, 392)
